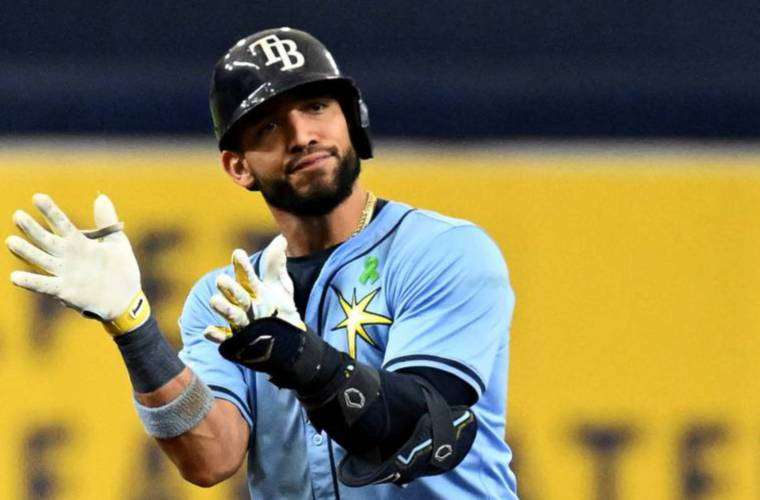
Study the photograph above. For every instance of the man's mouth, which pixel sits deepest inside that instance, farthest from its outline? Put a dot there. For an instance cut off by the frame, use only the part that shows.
(310, 160)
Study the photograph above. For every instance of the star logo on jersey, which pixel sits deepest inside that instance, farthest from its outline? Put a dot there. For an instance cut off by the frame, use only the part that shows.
(357, 317)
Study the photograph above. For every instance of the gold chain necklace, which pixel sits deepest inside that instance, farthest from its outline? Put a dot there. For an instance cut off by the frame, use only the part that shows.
(369, 208)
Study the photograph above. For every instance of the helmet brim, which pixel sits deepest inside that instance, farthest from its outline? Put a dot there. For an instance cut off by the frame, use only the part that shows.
(343, 88)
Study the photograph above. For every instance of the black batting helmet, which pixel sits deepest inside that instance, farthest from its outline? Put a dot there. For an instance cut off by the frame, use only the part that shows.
(268, 64)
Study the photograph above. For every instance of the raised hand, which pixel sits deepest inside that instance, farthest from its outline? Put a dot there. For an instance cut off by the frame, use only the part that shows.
(94, 272)
(242, 299)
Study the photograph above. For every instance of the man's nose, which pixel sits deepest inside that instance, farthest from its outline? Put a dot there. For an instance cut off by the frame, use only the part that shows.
(302, 133)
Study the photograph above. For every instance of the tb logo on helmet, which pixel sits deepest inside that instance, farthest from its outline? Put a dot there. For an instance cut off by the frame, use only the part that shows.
(278, 51)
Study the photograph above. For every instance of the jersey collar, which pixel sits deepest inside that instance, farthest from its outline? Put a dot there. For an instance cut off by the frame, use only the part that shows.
(356, 247)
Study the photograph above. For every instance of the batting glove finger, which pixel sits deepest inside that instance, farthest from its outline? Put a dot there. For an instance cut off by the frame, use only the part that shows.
(54, 216)
(217, 334)
(233, 291)
(235, 316)
(48, 285)
(261, 298)
(33, 255)
(273, 260)
(38, 235)
(244, 273)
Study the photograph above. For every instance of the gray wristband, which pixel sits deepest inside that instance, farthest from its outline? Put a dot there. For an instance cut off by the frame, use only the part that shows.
(179, 415)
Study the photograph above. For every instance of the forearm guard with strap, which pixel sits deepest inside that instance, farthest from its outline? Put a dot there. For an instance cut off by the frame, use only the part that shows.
(319, 373)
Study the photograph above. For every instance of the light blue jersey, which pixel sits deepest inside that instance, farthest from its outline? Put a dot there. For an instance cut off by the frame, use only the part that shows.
(414, 288)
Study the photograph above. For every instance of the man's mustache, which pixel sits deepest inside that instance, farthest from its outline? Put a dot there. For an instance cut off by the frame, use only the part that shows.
(291, 164)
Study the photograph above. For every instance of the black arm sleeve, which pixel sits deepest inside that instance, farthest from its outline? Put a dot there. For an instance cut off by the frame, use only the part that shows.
(361, 408)
(453, 389)
(390, 420)
(150, 360)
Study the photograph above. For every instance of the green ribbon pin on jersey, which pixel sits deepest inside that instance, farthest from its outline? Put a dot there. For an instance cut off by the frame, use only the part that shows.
(370, 270)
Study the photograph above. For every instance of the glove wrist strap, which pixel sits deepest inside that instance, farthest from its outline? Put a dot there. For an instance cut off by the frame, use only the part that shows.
(132, 318)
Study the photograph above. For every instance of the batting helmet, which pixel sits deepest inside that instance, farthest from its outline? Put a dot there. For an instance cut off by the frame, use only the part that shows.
(269, 63)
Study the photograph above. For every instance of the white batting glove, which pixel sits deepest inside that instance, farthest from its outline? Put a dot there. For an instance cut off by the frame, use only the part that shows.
(94, 272)
(246, 297)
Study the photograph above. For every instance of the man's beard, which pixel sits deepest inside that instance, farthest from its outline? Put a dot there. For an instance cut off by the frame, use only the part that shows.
(321, 201)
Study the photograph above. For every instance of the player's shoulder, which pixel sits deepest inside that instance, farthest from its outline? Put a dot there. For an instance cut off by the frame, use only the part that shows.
(422, 226)
(427, 234)
(434, 222)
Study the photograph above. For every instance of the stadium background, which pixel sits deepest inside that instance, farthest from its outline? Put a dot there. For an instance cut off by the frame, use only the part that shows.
(611, 151)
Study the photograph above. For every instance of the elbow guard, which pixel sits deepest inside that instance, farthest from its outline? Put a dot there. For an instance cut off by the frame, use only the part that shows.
(441, 439)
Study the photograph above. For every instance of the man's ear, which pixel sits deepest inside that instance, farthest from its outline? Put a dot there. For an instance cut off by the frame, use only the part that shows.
(236, 166)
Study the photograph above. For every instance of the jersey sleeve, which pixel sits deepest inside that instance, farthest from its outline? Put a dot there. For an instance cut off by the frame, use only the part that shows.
(453, 306)
(225, 379)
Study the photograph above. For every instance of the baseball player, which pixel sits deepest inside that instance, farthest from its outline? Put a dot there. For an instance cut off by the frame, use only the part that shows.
(362, 354)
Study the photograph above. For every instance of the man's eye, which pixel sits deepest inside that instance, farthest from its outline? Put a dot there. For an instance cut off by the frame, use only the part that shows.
(265, 129)
(317, 106)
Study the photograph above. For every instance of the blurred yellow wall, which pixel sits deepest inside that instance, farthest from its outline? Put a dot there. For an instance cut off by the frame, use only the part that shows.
(635, 343)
